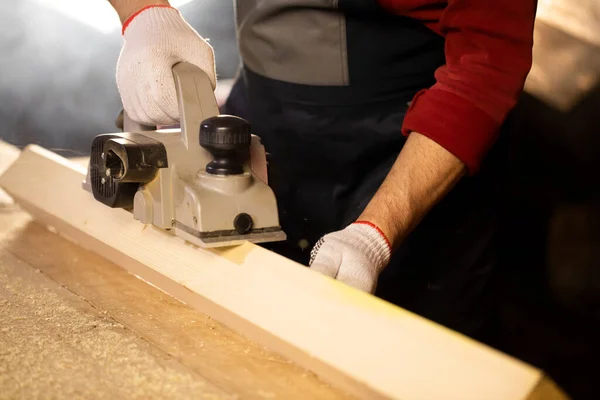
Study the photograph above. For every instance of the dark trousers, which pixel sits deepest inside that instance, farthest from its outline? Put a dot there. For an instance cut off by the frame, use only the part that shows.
(326, 161)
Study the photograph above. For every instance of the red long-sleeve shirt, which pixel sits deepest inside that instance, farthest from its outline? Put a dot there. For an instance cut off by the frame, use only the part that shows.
(488, 56)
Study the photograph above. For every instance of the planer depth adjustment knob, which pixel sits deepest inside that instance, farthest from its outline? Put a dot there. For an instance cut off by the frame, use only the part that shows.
(227, 138)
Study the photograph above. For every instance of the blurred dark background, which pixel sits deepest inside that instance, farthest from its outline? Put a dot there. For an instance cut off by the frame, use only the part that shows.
(57, 70)
(57, 89)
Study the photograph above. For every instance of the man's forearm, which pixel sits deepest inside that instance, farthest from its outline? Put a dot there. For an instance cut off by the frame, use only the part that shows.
(421, 176)
(125, 8)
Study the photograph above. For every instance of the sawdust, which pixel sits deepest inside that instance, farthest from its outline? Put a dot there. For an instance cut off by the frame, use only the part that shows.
(53, 344)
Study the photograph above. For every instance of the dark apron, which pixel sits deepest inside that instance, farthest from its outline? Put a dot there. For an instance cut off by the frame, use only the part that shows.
(330, 148)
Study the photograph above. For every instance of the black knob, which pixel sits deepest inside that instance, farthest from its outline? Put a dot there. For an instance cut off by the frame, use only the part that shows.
(227, 138)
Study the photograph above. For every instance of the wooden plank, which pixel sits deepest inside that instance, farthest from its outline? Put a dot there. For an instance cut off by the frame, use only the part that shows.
(204, 346)
(365, 345)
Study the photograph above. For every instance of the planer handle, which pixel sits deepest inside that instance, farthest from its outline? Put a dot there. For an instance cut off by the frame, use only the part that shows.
(195, 98)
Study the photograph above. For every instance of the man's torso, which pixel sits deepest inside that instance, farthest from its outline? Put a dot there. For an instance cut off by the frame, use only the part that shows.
(337, 43)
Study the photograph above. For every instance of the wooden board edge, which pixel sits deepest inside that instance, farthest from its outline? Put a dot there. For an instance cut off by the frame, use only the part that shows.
(349, 377)
(547, 389)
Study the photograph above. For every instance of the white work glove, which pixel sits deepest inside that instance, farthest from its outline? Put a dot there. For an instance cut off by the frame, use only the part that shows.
(355, 255)
(156, 39)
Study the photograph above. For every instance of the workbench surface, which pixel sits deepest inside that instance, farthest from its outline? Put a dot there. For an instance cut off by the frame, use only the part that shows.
(73, 325)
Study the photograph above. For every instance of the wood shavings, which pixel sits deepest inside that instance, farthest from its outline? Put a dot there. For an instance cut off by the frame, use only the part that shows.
(55, 345)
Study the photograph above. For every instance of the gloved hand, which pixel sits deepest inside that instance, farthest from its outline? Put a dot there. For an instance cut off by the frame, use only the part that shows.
(355, 255)
(155, 39)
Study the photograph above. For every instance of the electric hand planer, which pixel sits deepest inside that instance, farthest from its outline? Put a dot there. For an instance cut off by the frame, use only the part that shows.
(195, 181)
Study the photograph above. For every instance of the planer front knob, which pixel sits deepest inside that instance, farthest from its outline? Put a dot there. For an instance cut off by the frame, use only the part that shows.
(227, 138)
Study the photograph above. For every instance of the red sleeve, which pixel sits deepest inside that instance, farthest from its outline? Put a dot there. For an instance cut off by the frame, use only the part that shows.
(488, 56)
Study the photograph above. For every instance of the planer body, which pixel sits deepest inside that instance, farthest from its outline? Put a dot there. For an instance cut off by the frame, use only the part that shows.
(195, 181)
